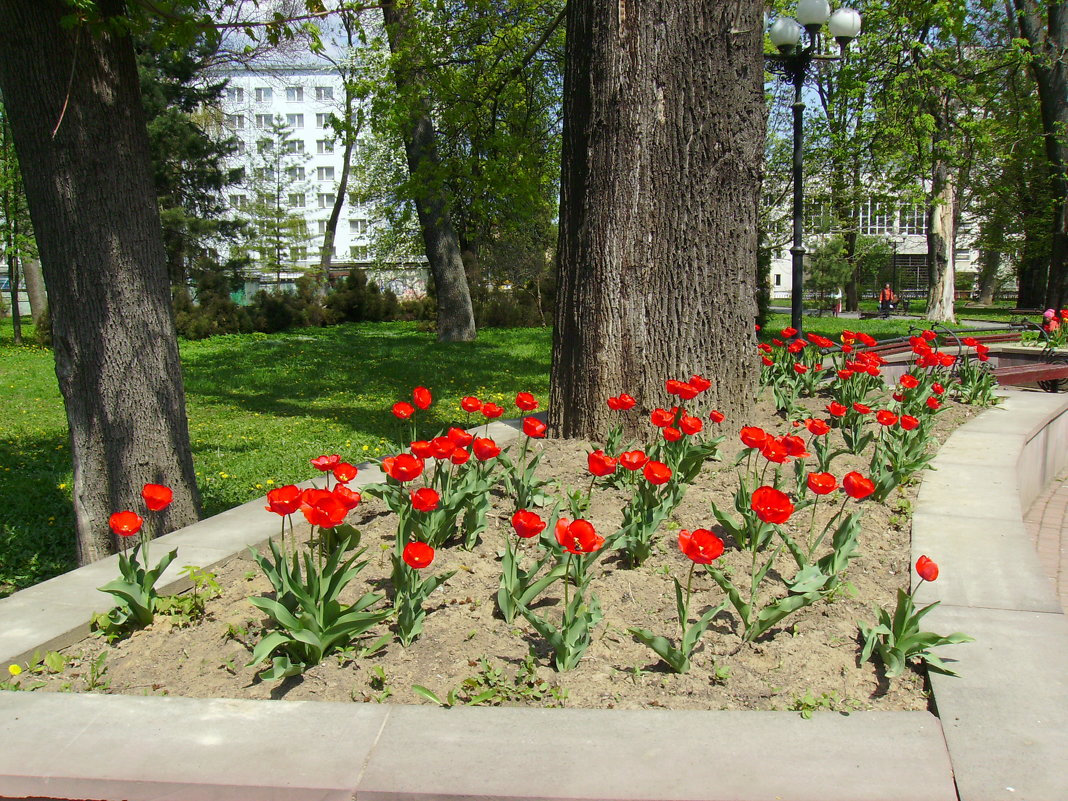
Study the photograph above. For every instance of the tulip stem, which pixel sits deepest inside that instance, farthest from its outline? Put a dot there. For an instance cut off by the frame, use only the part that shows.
(686, 603)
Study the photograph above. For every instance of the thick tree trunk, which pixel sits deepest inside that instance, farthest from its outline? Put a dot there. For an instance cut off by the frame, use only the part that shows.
(35, 290)
(79, 131)
(1048, 42)
(940, 244)
(456, 319)
(993, 244)
(662, 151)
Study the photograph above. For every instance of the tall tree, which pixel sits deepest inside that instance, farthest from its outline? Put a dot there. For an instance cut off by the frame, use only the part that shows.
(18, 244)
(663, 139)
(1044, 26)
(456, 319)
(79, 131)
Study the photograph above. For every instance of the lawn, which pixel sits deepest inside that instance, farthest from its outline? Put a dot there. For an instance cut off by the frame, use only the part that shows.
(260, 406)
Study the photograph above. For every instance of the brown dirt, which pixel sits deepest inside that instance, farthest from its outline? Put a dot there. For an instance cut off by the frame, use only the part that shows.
(810, 660)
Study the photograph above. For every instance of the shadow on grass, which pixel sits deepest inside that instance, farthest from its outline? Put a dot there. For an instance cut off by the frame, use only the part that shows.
(36, 516)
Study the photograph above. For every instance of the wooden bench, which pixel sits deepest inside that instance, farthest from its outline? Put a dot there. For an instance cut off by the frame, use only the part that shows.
(1049, 375)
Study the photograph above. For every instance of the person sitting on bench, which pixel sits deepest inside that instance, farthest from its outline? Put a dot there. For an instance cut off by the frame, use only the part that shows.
(887, 300)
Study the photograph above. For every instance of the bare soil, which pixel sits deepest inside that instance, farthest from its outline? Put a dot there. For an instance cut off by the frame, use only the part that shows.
(810, 661)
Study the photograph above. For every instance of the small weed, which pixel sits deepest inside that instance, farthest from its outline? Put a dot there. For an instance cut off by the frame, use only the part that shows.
(808, 703)
(97, 680)
(490, 687)
(380, 684)
(720, 674)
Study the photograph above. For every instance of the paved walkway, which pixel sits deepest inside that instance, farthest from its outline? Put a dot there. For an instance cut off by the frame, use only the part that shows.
(1047, 522)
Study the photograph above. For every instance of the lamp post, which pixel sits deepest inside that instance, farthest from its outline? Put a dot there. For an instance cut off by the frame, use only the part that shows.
(792, 62)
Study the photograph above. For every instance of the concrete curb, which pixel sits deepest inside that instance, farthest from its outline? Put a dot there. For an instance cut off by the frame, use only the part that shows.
(122, 747)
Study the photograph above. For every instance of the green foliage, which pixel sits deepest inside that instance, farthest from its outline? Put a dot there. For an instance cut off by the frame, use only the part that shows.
(898, 638)
(491, 687)
(135, 590)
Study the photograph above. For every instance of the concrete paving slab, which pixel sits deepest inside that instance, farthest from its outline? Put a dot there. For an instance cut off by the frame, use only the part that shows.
(967, 447)
(972, 489)
(1006, 718)
(637, 754)
(983, 563)
(178, 749)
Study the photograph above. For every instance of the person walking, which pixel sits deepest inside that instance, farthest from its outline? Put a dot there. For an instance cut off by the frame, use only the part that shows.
(887, 300)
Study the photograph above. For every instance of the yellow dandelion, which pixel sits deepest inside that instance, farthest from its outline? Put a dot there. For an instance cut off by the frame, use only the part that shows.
(270, 481)
(14, 670)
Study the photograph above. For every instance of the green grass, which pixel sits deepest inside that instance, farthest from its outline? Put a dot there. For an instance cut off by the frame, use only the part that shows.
(259, 408)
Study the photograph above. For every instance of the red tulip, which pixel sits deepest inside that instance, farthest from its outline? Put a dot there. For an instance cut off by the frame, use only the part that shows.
(800, 369)
(125, 524)
(774, 451)
(621, 403)
(403, 467)
(348, 498)
(908, 422)
(442, 447)
(860, 408)
(856, 486)
(491, 410)
(700, 545)
(326, 463)
(600, 464)
(753, 437)
(460, 455)
(933, 403)
(690, 425)
(421, 448)
(820, 341)
(422, 398)
(533, 427)
(425, 499)
(633, 460)
(662, 418)
(766, 361)
(345, 472)
(324, 510)
(970, 342)
(885, 417)
(699, 383)
(671, 434)
(789, 332)
(822, 483)
(715, 416)
(471, 404)
(485, 449)
(156, 496)
(526, 402)
(867, 339)
(460, 437)
(527, 524)
(577, 537)
(795, 446)
(284, 500)
(417, 554)
(771, 505)
(909, 381)
(929, 335)
(937, 388)
(656, 472)
(927, 568)
(836, 409)
(402, 410)
(816, 427)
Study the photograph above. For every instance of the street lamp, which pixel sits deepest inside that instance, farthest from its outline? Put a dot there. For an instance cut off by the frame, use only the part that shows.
(792, 62)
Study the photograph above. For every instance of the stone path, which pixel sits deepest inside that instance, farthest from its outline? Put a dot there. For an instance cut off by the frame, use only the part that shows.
(1047, 523)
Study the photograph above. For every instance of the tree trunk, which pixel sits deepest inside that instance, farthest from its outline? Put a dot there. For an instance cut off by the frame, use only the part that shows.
(79, 132)
(941, 274)
(662, 153)
(35, 290)
(991, 248)
(1048, 44)
(456, 319)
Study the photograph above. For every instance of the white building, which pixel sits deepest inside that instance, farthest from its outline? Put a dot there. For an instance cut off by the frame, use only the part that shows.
(304, 97)
(902, 226)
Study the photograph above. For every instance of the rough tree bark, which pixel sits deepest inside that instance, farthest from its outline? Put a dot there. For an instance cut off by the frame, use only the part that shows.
(1047, 41)
(35, 290)
(941, 273)
(456, 319)
(662, 152)
(79, 132)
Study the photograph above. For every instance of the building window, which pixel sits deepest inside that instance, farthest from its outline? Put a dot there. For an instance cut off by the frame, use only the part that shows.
(324, 173)
(876, 219)
(296, 173)
(360, 252)
(778, 279)
(361, 146)
(358, 226)
(295, 94)
(238, 201)
(322, 120)
(263, 120)
(294, 146)
(295, 120)
(326, 200)
(914, 220)
(333, 252)
(298, 253)
(263, 94)
(324, 93)
(322, 226)
(264, 145)
(238, 175)
(296, 200)
(240, 147)
(235, 93)
(265, 173)
(235, 121)
(324, 146)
